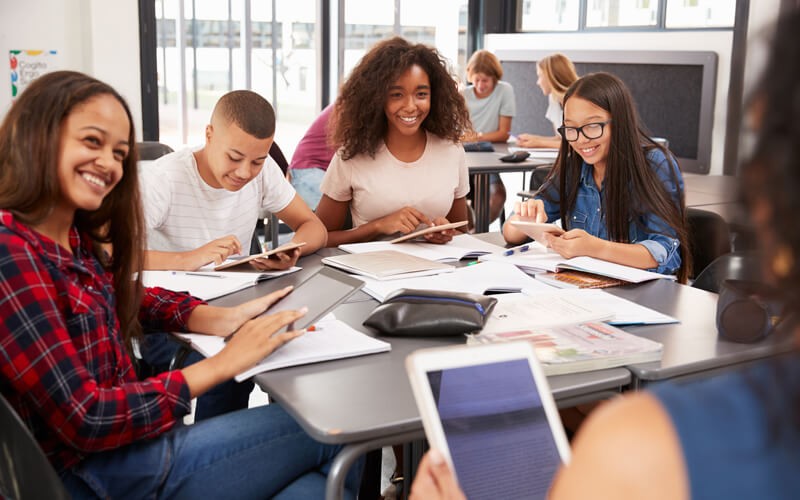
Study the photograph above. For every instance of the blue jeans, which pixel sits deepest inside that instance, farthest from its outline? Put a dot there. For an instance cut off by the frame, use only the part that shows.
(255, 453)
(306, 182)
(158, 349)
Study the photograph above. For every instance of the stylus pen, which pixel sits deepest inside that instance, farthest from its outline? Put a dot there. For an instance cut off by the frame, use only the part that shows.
(521, 248)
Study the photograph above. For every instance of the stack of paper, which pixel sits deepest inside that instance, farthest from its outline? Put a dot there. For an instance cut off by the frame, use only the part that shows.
(330, 339)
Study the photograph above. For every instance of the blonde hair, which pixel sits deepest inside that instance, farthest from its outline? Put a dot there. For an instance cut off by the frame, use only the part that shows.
(484, 62)
(560, 72)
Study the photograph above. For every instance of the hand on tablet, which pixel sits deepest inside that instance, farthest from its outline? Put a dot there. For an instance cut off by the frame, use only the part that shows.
(530, 210)
(402, 221)
(435, 480)
(277, 261)
(440, 237)
(215, 251)
(575, 243)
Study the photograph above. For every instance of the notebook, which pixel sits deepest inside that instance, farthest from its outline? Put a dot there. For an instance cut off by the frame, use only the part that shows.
(208, 285)
(462, 246)
(386, 265)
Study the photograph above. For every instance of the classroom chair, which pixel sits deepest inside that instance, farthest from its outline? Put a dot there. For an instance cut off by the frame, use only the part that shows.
(152, 150)
(709, 237)
(274, 225)
(730, 266)
(24, 470)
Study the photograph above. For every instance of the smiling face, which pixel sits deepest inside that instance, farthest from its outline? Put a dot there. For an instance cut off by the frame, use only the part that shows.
(94, 143)
(482, 84)
(232, 157)
(579, 112)
(542, 81)
(408, 102)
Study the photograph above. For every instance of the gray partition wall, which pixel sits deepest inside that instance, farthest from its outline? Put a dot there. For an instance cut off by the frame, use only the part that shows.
(674, 92)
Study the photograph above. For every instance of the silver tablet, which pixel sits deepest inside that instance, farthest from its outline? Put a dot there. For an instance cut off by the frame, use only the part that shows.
(321, 292)
(490, 412)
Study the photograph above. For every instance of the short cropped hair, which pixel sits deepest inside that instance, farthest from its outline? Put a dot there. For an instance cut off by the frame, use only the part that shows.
(249, 111)
(485, 62)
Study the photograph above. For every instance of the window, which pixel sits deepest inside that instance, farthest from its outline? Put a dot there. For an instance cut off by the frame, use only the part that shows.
(566, 15)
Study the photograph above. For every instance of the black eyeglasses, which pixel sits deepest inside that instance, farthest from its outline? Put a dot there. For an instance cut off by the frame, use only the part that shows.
(590, 131)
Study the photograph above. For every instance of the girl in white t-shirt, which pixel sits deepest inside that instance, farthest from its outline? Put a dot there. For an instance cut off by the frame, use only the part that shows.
(555, 74)
(398, 118)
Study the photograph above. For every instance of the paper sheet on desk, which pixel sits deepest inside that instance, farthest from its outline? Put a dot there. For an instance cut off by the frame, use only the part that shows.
(461, 246)
(206, 284)
(519, 311)
(625, 311)
(331, 339)
(478, 278)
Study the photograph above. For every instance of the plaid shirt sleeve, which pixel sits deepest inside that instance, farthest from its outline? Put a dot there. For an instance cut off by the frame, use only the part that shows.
(166, 311)
(62, 361)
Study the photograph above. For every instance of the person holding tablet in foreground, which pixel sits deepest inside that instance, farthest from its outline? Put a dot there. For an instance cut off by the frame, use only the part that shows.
(619, 195)
(731, 436)
(399, 119)
(68, 190)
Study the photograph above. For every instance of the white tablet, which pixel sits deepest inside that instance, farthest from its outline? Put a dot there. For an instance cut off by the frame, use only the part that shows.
(283, 248)
(536, 230)
(428, 230)
(490, 412)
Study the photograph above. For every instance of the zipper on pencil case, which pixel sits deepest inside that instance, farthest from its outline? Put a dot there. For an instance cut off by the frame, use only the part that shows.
(446, 299)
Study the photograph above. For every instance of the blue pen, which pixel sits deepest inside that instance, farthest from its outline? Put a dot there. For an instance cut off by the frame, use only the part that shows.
(511, 251)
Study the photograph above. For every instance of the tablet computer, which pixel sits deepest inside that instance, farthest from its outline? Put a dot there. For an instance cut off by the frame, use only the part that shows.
(323, 291)
(283, 248)
(427, 230)
(490, 412)
(537, 230)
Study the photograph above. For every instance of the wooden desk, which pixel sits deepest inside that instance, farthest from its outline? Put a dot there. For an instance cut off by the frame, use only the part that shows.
(481, 165)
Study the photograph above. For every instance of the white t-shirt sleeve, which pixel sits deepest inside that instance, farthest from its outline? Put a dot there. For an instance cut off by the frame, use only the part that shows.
(508, 105)
(463, 174)
(337, 183)
(276, 191)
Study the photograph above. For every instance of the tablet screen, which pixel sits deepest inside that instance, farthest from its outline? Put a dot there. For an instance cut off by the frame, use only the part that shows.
(496, 429)
(323, 291)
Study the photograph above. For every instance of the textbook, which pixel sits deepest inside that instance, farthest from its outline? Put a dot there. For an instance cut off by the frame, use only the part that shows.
(580, 347)
(538, 259)
(243, 260)
(207, 285)
(386, 265)
(329, 339)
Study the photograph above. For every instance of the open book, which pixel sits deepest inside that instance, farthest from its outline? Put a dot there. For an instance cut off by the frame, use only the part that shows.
(208, 285)
(580, 347)
(329, 339)
(236, 262)
(538, 259)
(386, 265)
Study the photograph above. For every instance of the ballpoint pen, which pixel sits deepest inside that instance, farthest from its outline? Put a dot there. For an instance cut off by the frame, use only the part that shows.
(205, 275)
(520, 249)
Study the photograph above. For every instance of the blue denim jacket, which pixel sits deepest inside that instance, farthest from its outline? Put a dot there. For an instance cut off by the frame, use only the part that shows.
(653, 232)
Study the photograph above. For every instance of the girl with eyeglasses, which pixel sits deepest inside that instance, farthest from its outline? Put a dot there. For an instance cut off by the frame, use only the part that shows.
(618, 194)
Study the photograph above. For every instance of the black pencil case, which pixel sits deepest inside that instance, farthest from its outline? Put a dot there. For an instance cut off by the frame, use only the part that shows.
(430, 313)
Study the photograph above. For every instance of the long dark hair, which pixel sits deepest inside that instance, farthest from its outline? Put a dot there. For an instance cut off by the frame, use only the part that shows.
(30, 147)
(358, 122)
(632, 188)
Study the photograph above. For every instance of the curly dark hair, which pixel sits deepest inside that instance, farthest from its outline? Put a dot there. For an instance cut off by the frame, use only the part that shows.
(358, 122)
(771, 178)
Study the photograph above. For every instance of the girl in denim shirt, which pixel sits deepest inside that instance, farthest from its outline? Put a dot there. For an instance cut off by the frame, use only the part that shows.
(623, 198)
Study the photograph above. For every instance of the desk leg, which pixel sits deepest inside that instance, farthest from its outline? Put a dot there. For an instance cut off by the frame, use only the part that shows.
(480, 200)
(334, 487)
